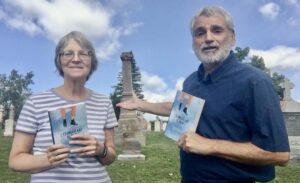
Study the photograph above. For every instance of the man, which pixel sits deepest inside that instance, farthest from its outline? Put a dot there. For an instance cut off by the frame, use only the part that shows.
(241, 133)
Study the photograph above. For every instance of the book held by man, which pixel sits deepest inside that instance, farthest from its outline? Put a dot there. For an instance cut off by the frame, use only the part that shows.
(185, 115)
(67, 121)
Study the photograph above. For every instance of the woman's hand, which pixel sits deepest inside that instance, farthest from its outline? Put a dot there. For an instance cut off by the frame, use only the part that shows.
(57, 154)
(91, 146)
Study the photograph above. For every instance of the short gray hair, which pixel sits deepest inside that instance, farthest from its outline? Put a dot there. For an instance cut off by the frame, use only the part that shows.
(83, 42)
(212, 11)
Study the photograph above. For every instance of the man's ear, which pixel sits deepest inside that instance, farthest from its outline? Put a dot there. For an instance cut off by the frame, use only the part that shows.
(233, 39)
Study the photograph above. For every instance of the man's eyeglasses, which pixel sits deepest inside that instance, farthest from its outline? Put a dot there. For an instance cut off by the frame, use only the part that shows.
(69, 55)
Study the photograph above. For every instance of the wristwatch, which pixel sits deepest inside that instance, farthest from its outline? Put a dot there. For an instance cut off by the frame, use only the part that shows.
(103, 153)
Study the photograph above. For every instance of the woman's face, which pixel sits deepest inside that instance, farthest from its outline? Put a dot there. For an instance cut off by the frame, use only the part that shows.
(75, 61)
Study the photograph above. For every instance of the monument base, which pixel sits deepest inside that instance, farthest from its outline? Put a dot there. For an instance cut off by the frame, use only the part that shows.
(129, 157)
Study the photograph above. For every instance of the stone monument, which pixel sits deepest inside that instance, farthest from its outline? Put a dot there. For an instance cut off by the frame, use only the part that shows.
(9, 123)
(291, 113)
(130, 126)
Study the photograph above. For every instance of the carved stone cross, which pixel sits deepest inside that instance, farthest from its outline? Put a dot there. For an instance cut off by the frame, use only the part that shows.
(287, 86)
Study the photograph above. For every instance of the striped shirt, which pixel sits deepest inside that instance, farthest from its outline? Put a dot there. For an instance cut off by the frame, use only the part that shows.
(34, 120)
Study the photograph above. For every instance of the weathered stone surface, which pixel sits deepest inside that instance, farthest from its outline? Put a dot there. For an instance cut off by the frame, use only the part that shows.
(131, 127)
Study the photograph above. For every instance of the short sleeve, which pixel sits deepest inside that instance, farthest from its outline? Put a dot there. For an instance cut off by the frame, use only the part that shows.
(27, 121)
(266, 119)
(111, 117)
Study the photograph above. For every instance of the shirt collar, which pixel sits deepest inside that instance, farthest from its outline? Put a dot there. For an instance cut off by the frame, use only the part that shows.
(218, 72)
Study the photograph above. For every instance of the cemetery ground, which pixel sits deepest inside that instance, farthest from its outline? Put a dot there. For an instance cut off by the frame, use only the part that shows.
(161, 165)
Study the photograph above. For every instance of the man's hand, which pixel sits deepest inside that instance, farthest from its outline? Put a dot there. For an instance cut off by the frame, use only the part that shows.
(132, 104)
(57, 154)
(194, 143)
(91, 146)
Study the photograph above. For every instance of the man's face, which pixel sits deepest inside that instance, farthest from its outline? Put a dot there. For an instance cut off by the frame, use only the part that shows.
(212, 39)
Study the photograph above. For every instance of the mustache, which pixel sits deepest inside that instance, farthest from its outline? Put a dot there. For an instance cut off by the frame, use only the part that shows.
(206, 46)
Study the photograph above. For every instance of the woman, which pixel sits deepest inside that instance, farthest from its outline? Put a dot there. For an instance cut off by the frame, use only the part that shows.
(33, 150)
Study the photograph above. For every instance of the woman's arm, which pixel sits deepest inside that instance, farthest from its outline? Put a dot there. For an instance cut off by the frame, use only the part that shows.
(109, 142)
(21, 157)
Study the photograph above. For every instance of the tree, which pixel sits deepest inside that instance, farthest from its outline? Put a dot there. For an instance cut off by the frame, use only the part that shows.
(259, 63)
(118, 89)
(14, 89)
(241, 54)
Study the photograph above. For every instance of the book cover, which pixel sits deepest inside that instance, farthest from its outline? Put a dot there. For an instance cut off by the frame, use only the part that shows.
(67, 121)
(185, 115)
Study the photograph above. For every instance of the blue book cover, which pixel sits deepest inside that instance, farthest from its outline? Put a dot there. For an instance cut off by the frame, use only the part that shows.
(185, 115)
(67, 121)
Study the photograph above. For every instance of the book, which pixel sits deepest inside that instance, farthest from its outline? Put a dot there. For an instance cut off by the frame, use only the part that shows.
(185, 115)
(67, 121)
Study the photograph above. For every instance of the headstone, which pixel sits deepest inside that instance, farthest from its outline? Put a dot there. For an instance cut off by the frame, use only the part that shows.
(291, 113)
(149, 126)
(157, 126)
(1, 114)
(164, 126)
(9, 123)
(131, 128)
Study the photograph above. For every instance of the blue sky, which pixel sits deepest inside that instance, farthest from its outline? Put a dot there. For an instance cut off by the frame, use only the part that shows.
(157, 31)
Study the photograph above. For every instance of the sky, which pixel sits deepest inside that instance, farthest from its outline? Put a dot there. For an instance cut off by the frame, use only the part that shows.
(156, 31)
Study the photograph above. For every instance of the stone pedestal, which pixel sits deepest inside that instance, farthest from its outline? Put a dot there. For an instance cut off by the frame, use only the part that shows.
(131, 140)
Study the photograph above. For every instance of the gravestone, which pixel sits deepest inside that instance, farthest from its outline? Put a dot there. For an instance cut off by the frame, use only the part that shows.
(1, 114)
(291, 113)
(158, 124)
(9, 123)
(131, 127)
(164, 125)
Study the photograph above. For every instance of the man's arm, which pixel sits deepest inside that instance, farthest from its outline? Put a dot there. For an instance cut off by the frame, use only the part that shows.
(161, 109)
(245, 152)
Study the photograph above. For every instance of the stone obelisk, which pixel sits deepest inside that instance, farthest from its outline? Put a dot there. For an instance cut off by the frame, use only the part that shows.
(129, 123)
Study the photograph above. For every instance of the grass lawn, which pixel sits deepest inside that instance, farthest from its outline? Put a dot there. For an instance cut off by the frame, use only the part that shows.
(161, 165)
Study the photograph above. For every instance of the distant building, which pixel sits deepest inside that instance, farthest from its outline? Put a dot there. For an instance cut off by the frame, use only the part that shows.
(291, 113)
(290, 109)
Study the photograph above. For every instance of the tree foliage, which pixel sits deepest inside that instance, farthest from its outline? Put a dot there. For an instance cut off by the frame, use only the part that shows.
(259, 63)
(14, 89)
(118, 89)
(241, 54)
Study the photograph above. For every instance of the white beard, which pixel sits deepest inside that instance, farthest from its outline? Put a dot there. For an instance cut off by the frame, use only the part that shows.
(219, 56)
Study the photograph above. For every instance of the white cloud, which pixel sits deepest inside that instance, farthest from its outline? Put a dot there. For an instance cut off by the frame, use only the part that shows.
(152, 82)
(280, 57)
(156, 90)
(294, 2)
(270, 10)
(55, 18)
(284, 60)
(179, 83)
(292, 22)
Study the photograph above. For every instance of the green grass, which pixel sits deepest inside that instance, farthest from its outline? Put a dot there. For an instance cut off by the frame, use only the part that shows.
(6, 175)
(161, 165)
